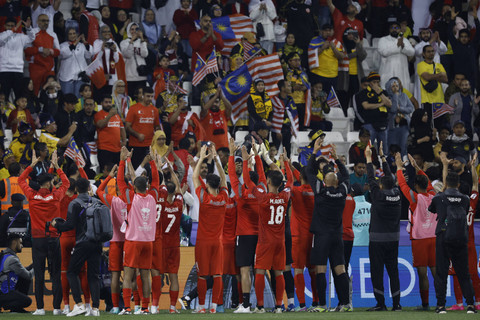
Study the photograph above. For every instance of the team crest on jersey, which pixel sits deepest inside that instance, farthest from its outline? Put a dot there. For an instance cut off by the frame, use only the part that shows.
(145, 214)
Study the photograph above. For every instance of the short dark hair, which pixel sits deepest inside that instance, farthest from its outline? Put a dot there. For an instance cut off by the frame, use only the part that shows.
(10, 19)
(464, 31)
(360, 161)
(281, 84)
(452, 180)
(14, 169)
(106, 96)
(12, 237)
(73, 184)
(425, 48)
(387, 182)
(85, 85)
(213, 180)
(73, 169)
(224, 150)
(253, 176)
(40, 146)
(91, 98)
(70, 98)
(170, 187)
(147, 90)
(82, 185)
(184, 143)
(421, 181)
(140, 183)
(276, 178)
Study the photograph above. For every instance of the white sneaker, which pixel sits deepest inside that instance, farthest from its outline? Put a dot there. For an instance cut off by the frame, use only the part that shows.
(136, 308)
(278, 310)
(115, 310)
(39, 312)
(242, 309)
(77, 310)
(93, 313)
(154, 310)
(57, 312)
(88, 307)
(66, 309)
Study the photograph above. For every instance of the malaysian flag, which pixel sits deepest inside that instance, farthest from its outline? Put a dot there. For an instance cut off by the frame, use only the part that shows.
(73, 152)
(267, 68)
(313, 47)
(173, 86)
(212, 65)
(232, 28)
(308, 100)
(247, 55)
(332, 99)
(235, 88)
(200, 71)
(439, 109)
(279, 109)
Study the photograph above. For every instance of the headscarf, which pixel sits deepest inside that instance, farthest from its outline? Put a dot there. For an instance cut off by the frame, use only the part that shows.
(120, 101)
(421, 129)
(401, 98)
(348, 44)
(161, 151)
(129, 34)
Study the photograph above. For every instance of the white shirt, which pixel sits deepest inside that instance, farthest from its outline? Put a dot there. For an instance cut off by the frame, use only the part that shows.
(72, 62)
(394, 61)
(11, 49)
(49, 11)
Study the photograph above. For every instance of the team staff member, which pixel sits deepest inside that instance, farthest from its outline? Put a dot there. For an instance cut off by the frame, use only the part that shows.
(327, 229)
(213, 197)
(10, 186)
(384, 233)
(44, 206)
(423, 224)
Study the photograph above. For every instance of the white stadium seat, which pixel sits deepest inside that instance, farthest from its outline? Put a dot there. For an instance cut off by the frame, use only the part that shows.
(187, 85)
(8, 137)
(197, 110)
(352, 136)
(339, 121)
(240, 137)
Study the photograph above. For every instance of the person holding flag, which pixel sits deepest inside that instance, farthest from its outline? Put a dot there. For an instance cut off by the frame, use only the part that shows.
(285, 117)
(259, 105)
(203, 40)
(301, 92)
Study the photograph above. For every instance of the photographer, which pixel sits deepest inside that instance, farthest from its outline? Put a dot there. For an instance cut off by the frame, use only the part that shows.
(15, 279)
(74, 54)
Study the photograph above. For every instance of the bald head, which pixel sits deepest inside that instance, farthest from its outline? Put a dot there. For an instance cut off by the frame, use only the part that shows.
(331, 180)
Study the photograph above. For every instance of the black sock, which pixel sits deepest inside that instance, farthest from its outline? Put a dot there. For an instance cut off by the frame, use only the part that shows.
(246, 299)
(289, 284)
(302, 305)
(321, 288)
(342, 288)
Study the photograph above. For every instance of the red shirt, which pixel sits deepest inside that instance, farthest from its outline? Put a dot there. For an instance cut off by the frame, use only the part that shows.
(471, 216)
(348, 210)
(42, 40)
(177, 127)
(63, 213)
(162, 198)
(144, 119)
(341, 22)
(171, 217)
(212, 122)
(230, 224)
(203, 49)
(108, 137)
(184, 22)
(211, 214)
(302, 208)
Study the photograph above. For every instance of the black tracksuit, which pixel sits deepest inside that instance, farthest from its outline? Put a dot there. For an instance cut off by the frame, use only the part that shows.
(384, 236)
(445, 252)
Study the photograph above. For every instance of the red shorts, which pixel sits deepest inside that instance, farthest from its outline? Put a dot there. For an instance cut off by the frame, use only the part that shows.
(423, 252)
(115, 256)
(229, 266)
(301, 247)
(157, 255)
(171, 259)
(270, 256)
(66, 246)
(138, 254)
(209, 258)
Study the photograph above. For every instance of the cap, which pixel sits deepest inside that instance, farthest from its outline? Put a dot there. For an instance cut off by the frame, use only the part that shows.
(46, 119)
(459, 122)
(327, 26)
(250, 37)
(238, 159)
(18, 197)
(357, 189)
(24, 128)
(393, 22)
(461, 159)
(357, 6)
(373, 76)
(8, 153)
(257, 80)
(261, 125)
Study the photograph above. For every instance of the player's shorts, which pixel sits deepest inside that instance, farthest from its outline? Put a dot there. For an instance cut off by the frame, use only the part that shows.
(423, 252)
(157, 255)
(327, 246)
(138, 254)
(229, 266)
(115, 256)
(301, 247)
(66, 247)
(270, 256)
(288, 249)
(209, 258)
(171, 260)
(245, 250)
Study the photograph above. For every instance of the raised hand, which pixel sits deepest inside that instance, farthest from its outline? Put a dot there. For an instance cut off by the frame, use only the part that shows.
(203, 152)
(113, 172)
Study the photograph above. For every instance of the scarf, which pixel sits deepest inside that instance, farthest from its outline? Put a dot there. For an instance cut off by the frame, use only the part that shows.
(111, 61)
(185, 122)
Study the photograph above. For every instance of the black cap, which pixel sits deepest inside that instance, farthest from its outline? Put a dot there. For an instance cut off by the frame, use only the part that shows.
(459, 122)
(357, 189)
(18, 197)
(461, 159)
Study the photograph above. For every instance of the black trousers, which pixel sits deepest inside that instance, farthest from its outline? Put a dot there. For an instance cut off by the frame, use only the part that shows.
(458, 254)
(9, 81)
(139, 153)
(17, 299)
(384, 254)
(105, 157)
(347, 250)
(91, 253)
(286, 139)
(47, 249)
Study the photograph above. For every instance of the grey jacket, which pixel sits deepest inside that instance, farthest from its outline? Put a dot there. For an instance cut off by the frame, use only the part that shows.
(457, 102)
(12, 263)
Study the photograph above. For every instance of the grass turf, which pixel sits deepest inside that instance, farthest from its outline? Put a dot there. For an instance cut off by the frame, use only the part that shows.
(358, 314)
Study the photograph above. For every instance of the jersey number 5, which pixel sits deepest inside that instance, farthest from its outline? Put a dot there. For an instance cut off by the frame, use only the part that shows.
(276, 216)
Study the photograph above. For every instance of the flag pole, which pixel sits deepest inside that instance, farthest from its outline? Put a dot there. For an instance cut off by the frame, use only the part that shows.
(251, 57)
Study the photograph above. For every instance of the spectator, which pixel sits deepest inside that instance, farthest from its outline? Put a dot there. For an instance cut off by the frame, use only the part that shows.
(111, 135)
(73, 61)
(459, 143)
(151, 30)
(22, 146)
(203, 40)
(466, 107)
(18, 277)
(141, 122)
(396, 10)
(289, 47)
(117, 5)
(44, 205)
(45, 7)
(20, 114)
(85, 133)
(442, 26)
(134, 49)
(177, 59)
(182, 121)
(65, 117)
(48, 135)
(12, 45)
(7, 159)
(395, 51)
(330, 51)
(216, 11)
(341, 22)
(162, 74)
(300, 23)
(89, 26)
(44, 48)
(8, 188)
(43, 165)
(239, 48)
(281, 124)
(120, 26)
(398, 115)
(263, 13)
(184, 19)
(375, 103)
(106, 17)
(85, 93)
(121, 101)
(422, 137)
(443, 134)
(59, 27)
(431, 76)
(259, 106)
(454, 86)
(319, 108)
(33, 103)
(50, 96)
(215, 120)
(236, 7)
(299, 81)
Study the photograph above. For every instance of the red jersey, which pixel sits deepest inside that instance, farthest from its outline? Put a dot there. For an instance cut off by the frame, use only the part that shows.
(143, 119)
(63, 213)
(171, 217)
(302, 209)
(471, 216)
(341, 22)
(211, 214)
(347, 218)
(162, 198)
(230, 223)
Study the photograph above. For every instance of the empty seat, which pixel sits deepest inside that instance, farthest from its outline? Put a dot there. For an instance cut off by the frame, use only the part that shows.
(333, 136)
(352, 136)
(240, 137)
(197, 110)
(8, 137)
(335, 113)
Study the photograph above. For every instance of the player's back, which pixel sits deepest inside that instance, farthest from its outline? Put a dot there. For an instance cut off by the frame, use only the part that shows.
(302, 210)
(273, 208)
(211, 215)
(170, 217)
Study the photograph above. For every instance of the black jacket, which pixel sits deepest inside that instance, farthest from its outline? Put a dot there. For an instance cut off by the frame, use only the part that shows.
(386, 208)
(440, 203)
(329, 201)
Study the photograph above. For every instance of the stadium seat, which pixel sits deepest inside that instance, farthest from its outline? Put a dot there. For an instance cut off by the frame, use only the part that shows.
(352, 136)
(333, 136)
(240, 137)
(300, 141)
(8, 137)
(339, 121)
(187, 85)
(197, 110)
(38, 132)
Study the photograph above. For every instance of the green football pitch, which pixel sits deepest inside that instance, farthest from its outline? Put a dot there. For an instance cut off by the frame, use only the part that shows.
(407, 314)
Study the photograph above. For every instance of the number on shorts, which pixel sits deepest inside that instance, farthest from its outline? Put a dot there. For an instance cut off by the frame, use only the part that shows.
(172, 221)
(276, 216)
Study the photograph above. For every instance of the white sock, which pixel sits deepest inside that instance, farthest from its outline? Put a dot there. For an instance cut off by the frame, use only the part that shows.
(172, 307)
(291, 301)
(201, 306)
(214, 306)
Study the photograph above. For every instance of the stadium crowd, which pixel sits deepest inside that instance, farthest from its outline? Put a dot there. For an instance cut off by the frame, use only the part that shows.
(98, 120)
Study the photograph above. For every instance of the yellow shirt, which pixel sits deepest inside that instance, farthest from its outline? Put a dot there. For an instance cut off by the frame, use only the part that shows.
(437, 95)
(294, 78)
(4, 174)
(21, 116)
(18, 147)
(408, 93)
(328, 62)
(353, 65)
(50, 140)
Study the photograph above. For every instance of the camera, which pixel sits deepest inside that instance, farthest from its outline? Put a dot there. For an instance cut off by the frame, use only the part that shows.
(109, 45)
